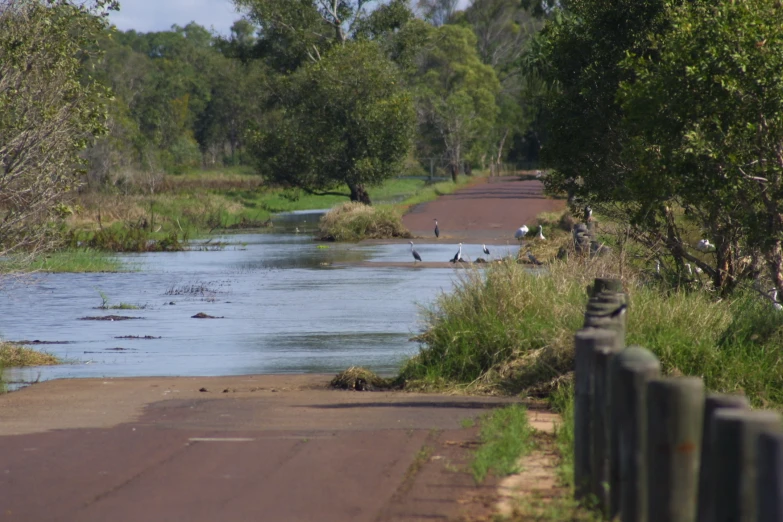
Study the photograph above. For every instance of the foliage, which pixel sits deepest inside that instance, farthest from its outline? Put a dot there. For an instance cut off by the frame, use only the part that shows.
(337, 127)
(13, 356)
(354, 221)
(505, 437)
(512, 330)
(50, 109)
(67, 260)
(455, 93)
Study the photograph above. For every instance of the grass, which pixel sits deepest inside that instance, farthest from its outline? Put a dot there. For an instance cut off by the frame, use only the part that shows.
(12, 356)
(69, 260)
(505, 437)
(511, 331)
(352, 221)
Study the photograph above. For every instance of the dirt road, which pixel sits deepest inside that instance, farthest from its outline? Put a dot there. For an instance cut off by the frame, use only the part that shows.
(257, 448)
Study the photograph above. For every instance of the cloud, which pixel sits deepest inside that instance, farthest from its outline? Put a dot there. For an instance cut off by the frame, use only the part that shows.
(159, 15)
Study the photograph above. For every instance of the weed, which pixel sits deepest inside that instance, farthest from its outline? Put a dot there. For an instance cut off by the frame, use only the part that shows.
(505, 437)
(12, 356)
(468, 423)
(356, 221)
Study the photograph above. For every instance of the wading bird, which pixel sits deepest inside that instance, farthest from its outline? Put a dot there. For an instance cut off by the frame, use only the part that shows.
(704, 245)
(521, 232)
(541, 232)
(416, 256)
(774, 296)
(486, 250)
(458, 256)
(437, 230)
(588, 213)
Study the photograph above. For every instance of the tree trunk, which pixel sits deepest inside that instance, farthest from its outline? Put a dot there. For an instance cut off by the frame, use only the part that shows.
(359, 193)
(454, 170)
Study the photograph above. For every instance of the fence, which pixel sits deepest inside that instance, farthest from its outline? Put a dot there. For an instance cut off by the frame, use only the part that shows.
(653, 449)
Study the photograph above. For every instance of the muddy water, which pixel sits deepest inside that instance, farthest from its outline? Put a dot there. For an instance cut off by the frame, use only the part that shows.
(281, 305)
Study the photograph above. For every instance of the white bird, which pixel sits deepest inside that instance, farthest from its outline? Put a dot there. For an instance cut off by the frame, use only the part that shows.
(657, 267)
(688, 266)
(416, 256)
(698, 270)
(458, 255)
(539, 174)
(588, 213)
(775, 303)
(704, 245)
(521, 232)
(486, 250)
(541, 232)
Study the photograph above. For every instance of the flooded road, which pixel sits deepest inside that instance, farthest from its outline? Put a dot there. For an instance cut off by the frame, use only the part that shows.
(283, 304)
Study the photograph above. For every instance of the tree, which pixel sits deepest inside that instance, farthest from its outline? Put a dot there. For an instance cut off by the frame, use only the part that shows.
(344, 119)
(437, 12)
(705, 115)
(50, 109)
(455, 93)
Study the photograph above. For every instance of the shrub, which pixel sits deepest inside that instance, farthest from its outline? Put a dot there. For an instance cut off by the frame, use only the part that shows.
(354, 221)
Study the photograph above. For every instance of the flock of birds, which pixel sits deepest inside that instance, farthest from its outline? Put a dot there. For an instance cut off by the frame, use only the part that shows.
(520, 234)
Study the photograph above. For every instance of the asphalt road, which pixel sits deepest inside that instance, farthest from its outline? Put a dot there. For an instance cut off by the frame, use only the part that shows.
(268, 448)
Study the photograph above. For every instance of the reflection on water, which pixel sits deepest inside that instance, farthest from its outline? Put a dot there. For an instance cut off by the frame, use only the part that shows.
(284, 306)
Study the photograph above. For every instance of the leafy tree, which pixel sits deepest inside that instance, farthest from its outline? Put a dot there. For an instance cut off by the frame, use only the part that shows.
(344, 119)
(706, 120)
(437, 12)
(50, 110)
(456, 93)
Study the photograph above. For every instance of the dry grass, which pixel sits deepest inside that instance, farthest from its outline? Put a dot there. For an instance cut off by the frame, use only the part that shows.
(360, 379)
(352, 221)
(12, 356)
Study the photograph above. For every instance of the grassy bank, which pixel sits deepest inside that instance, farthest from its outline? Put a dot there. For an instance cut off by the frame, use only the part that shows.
(512, 331)
(352, 221)
(505, 437)
(70, 260)
(14, 356)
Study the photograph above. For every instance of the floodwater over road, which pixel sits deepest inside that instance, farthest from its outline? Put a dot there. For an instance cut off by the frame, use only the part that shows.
(282, 303)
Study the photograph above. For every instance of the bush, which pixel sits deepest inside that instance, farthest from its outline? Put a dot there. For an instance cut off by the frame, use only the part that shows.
(354, 221)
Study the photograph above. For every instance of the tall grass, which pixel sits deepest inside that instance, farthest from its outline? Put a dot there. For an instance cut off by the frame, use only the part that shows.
(353, 221)
(70, 260)
(505, 436)
(512, 330)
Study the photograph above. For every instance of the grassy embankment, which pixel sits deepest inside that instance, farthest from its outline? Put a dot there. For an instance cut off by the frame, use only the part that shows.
(507, 330)
(142, 216)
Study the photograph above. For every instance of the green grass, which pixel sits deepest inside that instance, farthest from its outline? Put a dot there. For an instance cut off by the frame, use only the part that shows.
(71, 260)
(356, 221)
(562, 401)
(12, 356)
(511, 330)
(505, 437)
(429, 192)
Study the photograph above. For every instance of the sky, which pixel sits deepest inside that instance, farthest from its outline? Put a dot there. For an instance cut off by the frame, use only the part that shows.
(159, 15)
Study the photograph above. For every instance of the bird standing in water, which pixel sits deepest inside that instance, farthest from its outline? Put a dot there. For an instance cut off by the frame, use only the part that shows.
(416, 256)
(458, 256)
(437, 230)
(486, 250)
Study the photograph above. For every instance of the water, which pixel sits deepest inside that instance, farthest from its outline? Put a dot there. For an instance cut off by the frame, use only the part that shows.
(285, 306)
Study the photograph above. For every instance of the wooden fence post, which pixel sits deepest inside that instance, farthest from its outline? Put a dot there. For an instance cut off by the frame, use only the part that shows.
(631, 370)
(675, 413)
(606, 283)
(769, 485)
(586, 342)
(601, 449)
(735, 435)
(712, 404)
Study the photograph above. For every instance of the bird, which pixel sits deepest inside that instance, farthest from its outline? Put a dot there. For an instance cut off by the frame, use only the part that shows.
(458, 255)
(657, 267)
(437, 230)
(688, 266)
(541, 232)
(533, 259)
(539, 174)
(704, 245)
(486, 250)
(774, 296)
(416, 256)
(521, 232)
(588, 213)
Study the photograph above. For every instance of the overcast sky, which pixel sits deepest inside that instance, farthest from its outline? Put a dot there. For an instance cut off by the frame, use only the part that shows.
(159, 15)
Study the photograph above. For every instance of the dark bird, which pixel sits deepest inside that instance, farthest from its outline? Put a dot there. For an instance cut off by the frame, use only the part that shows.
(486, 250)
(437, 230)
(619, 312)
(533, 259)
(416, 256)
(458, 255)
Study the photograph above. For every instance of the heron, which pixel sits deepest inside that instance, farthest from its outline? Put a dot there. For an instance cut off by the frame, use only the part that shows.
(539, 174)
(688, 266)
(533, 259)
(458, 256)
(521, 232)
(775, 303)
(437, 230)
(541, 232)
(416, 256)
(588, 213)
(486, 250)
(704, 245)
